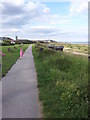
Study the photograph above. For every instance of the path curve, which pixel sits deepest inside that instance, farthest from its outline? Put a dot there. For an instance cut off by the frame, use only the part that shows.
(19, 89)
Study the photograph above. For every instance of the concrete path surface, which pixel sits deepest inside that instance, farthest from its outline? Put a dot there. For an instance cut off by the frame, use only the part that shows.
(19, 89)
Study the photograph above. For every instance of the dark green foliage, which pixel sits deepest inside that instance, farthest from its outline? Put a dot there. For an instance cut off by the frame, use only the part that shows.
(17, 42)
(24, 41)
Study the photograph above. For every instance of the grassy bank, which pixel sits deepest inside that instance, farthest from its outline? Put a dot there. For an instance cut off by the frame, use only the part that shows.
(10, 57)
(62, 81)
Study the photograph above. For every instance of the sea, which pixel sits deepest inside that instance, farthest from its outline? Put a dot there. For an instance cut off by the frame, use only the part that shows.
(79, 42)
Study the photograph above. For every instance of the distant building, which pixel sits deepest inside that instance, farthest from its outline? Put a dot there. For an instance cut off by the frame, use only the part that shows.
(48, 41)
(2, 39)
(25, 41)
(22, 40)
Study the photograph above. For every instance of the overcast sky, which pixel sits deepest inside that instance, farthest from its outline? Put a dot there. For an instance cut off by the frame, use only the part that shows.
(61, 21)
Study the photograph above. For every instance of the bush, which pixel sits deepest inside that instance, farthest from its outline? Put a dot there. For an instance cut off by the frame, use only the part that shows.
(17, 42)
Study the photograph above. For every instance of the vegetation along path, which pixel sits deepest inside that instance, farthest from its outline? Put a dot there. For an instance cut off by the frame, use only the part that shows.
(63, 82)
(19, 89)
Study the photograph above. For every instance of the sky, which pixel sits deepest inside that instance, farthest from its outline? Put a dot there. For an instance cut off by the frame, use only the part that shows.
(40, 20)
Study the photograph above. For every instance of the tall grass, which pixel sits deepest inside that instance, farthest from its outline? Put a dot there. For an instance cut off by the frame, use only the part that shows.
(62, 81)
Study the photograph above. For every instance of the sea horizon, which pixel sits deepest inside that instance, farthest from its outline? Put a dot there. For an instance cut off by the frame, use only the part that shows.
(79, 42)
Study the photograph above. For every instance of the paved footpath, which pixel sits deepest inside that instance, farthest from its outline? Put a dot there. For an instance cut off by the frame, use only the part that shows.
(19, 89)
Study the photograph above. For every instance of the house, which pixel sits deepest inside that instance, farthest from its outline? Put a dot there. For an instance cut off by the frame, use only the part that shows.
(2, 39)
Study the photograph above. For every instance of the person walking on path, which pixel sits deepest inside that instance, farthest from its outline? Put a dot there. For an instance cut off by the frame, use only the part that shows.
(21, 53)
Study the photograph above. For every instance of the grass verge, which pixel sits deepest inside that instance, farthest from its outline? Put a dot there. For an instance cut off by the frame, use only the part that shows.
(62, 81)
(10, 57)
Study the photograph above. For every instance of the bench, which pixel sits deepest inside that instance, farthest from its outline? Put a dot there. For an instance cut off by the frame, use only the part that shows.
(59, 48)
(52, 47)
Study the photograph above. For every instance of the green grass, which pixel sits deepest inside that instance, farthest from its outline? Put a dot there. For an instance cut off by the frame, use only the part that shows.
(10, 57)
(62, 81)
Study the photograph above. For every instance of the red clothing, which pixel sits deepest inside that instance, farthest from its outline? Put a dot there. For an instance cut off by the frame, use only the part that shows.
(21, 53)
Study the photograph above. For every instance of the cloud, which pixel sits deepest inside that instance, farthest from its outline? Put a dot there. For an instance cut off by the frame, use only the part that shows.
(17, 14)
(20, 13)
(8, 30)
(47, 32)
(78, 6)
(15, 2)
(12, 9)
(43, 30)
(35, 20)
(46, 10)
